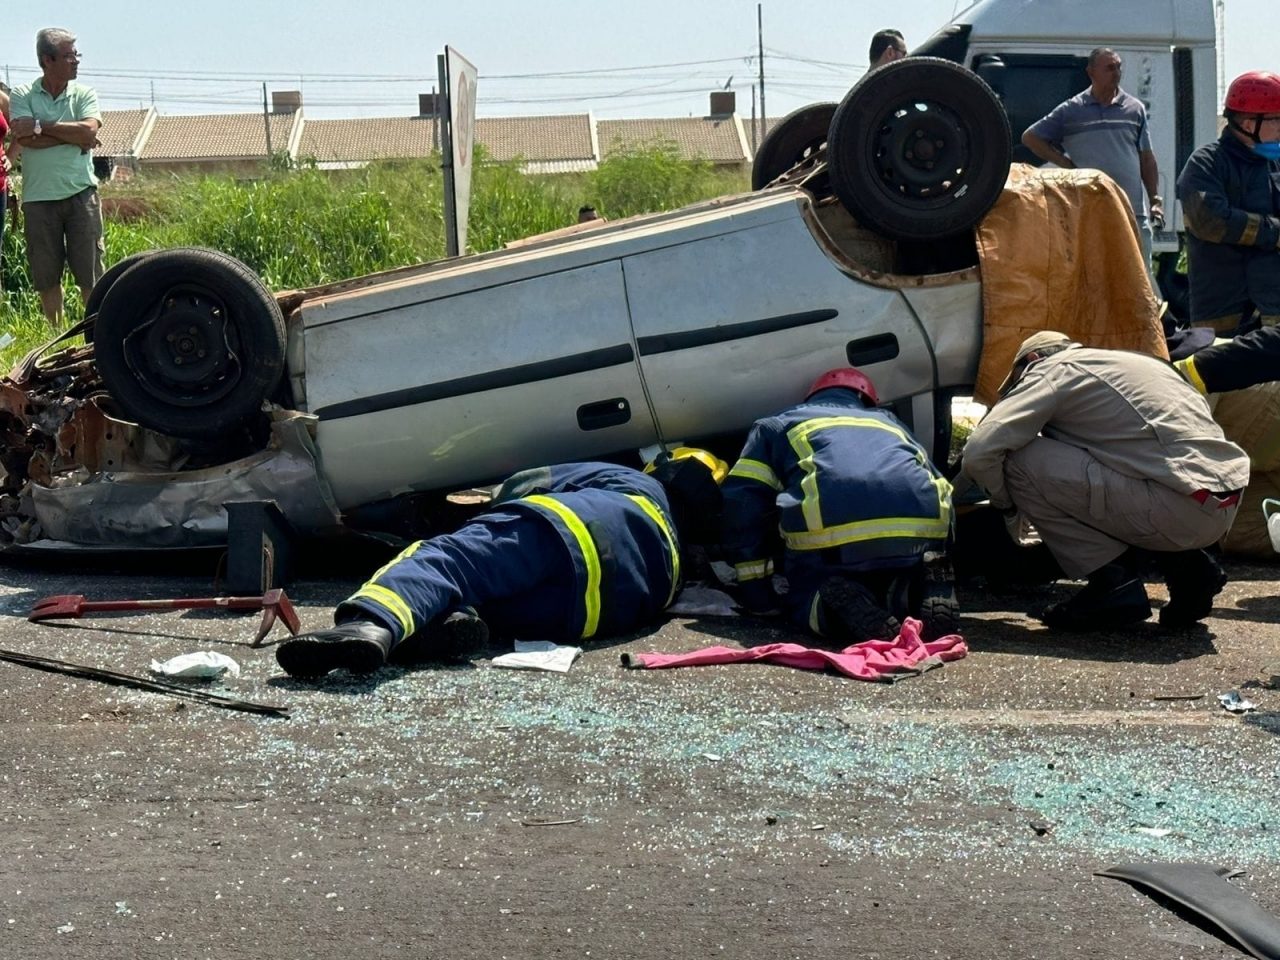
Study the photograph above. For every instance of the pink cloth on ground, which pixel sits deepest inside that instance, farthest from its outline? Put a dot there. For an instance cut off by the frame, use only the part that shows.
(872, 660)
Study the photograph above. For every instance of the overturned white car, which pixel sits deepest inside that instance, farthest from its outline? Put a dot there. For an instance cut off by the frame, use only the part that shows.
(201, 386)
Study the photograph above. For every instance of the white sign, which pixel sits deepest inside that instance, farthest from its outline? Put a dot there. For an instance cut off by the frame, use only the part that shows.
(458, 81)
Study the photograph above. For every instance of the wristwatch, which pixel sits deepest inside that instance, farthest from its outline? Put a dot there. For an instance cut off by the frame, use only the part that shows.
(36, 129)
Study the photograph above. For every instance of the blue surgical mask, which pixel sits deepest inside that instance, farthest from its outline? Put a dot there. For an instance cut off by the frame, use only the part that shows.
(1270, 149)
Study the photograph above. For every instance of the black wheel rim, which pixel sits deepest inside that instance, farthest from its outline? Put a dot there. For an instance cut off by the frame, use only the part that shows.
(920, 151)
(185, 352)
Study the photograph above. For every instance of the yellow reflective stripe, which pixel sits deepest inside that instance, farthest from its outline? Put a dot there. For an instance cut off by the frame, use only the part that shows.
(1249, 235)
(859, 531)
(387, 599)
(1188, 370)
(755, 470)
(814, 623)
(391, 602)
(590, 558)
(753, 569)
(799, 439)
(655, 514)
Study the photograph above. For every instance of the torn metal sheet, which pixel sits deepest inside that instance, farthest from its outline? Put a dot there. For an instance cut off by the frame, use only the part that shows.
(171, 509)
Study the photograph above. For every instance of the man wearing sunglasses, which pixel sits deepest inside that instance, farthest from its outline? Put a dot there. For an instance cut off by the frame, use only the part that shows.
(56, 122)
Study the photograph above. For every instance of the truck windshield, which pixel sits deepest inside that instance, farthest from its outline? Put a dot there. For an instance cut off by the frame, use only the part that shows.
(1031, 85)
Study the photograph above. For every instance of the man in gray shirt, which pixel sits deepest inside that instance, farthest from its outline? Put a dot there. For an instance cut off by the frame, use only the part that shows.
(1105, 129)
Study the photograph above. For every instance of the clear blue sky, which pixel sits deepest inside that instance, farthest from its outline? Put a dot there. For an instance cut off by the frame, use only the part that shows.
(373, 58)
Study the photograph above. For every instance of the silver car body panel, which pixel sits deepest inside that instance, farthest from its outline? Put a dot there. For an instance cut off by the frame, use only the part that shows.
(667, 327)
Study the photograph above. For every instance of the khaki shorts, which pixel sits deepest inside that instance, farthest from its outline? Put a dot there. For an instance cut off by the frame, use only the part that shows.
(61, 233)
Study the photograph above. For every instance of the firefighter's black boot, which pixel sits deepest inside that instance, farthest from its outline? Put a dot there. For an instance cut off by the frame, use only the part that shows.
(455, 637)
(1194, 578)
(939, 608)
(1114, 596)
(852, 607)
(360, 646)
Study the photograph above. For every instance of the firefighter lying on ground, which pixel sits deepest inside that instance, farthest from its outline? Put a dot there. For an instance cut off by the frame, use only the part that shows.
(855, 505)
(566, 553)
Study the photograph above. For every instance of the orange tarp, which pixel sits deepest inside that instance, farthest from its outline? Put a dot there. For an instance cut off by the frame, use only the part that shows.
(1060, 251)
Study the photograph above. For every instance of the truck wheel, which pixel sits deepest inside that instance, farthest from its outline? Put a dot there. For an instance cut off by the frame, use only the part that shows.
(105, 282)
(797, 136)
(189, 342)
(919, 149)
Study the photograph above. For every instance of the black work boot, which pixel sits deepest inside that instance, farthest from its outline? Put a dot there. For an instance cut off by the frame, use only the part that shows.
(1194, 578)
(455, 637)
(853, 607)
(360, 646)
(939, 608)
(1114, 596)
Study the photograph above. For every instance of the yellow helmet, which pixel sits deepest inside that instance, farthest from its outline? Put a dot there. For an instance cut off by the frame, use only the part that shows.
(719, 469)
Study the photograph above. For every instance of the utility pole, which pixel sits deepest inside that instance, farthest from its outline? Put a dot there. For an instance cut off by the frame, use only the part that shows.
(754, 140)
(760, 43)
(1220, 29)
(153, 93)
(439, 119)
(266, 120)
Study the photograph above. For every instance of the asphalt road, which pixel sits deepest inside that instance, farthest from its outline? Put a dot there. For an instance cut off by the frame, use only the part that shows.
(738, 811)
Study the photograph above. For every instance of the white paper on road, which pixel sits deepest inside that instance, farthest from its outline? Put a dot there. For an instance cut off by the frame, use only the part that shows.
(204, 665)
(539, 655)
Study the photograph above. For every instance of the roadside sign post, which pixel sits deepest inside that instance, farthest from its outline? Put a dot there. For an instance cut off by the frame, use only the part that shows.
(457, 123)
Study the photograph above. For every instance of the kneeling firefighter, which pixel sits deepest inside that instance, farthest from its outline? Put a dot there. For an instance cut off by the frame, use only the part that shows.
(565, 553)
(856, 504)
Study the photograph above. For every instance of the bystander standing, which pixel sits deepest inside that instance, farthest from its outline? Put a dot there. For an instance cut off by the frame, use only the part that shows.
(56, 122)
(1105, 129)
(886, 47)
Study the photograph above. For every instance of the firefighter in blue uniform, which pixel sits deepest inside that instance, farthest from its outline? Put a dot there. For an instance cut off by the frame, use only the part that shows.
(855, 504)
(1230, 193)
(566, 553)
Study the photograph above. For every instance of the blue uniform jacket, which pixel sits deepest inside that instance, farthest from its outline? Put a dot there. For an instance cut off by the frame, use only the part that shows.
(619, 537)
(1231, 201)
(832, 474)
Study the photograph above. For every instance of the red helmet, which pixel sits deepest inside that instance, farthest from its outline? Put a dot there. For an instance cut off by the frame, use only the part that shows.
(850, 378)
(1257, 91)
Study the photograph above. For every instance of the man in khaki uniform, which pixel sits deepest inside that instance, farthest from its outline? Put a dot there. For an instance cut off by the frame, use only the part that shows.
(1109, 454)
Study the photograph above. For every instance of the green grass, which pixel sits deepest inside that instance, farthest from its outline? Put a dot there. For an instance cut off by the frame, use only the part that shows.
(305, 226)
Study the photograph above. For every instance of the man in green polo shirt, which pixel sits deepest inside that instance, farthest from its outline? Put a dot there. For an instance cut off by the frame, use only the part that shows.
(56, 122)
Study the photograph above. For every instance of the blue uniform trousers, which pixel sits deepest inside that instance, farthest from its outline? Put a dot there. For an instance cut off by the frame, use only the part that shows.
(510, 564)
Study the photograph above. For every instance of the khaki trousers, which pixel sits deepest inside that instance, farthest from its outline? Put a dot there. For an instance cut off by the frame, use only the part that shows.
(1088, 514)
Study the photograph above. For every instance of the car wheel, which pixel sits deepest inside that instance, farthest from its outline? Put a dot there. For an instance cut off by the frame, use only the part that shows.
(189, 342)
(919, 149)
(105, 282)
(797, 136)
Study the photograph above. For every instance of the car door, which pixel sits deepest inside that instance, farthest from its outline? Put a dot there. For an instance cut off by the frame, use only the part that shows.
(446, 381)
(735, 326)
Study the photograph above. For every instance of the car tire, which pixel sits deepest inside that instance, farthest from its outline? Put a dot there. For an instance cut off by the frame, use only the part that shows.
(880, 168)
(105, 282)
(189, 342)
(796, 137)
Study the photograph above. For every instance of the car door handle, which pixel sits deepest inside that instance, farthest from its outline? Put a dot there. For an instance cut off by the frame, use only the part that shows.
(604, 413)
(868, 350)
